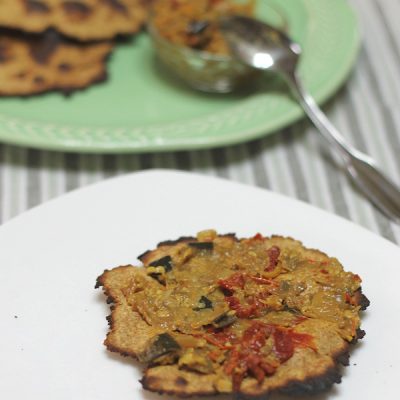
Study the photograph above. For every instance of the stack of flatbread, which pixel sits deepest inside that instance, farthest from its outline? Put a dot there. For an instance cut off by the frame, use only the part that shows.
(61, 44)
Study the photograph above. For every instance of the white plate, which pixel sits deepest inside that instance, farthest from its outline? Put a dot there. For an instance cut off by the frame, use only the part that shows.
(53, 320)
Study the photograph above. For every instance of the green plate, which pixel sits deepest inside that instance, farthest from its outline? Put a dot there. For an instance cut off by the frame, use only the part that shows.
(142, 109)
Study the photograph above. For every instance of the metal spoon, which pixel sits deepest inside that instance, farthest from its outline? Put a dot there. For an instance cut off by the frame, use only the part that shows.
(264, 47)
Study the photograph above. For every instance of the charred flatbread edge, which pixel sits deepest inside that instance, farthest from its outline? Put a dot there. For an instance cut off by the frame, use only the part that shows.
(309, 386)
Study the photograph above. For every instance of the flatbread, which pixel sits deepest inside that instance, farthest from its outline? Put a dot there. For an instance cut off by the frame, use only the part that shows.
(40, 63)
(214, 314)
(80, 19)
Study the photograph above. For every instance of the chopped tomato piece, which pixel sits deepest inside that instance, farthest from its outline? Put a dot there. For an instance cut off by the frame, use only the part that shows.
(214, 355)
(247, 311)
(285, 341)
(234, 281)
(273, 254)
(232, 362)
(350, 299)
(220, 338)
(283, 345)
(324, 271)
(246, 359)
(216, 342)
(263, 281)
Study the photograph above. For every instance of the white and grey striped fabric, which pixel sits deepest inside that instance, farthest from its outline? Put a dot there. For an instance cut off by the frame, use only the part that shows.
(290, 162)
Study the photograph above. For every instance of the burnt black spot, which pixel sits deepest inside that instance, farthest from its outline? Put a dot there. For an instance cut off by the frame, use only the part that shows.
(99, 283)
(313, 385)
(202, 245)
(65, 67)
(143, 255)
(21, 75)
(344, 359)
(36, 6)
(360, 333)
(42, 48)
(3, 58)
(76, 8)
(116, 5)
(181, 381)
(165, 262)
(3, 53)
(39, 80)
(364, 302)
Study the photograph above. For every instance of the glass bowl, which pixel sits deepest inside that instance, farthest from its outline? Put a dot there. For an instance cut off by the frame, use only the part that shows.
(202, 70)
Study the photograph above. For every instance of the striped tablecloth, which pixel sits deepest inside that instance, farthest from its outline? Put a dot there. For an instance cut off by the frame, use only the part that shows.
(290, 162)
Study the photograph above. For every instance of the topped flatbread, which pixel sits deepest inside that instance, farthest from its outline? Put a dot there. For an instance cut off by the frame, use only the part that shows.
(215, 314)
(80, 19)
(40, 63)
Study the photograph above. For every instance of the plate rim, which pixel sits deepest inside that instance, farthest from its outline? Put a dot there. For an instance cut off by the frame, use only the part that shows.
(165, 173)
(60, 136)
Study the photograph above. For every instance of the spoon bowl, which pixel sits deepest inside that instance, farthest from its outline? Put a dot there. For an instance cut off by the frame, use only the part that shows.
(259, 45)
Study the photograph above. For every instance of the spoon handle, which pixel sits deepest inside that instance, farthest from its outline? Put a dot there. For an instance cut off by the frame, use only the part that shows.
(360, 167)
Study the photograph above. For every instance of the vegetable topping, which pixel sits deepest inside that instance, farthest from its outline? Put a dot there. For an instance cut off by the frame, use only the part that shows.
(238, 311)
